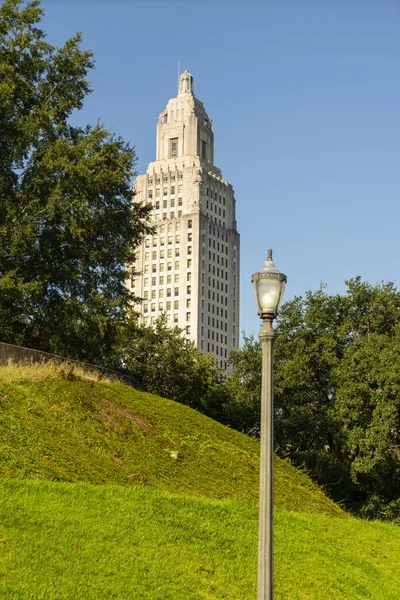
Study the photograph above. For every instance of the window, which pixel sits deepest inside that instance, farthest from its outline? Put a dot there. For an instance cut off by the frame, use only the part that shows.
(190, 224)
(161, 253)
(189, 276)
(169, 279)
(161, 307)
(172, 189)
(176, 304)
(187, 329)
(146, 295)
(146, 282)
(153, 294)
(177, 239)
(161, 293)
(173, 147)
(168, 293)
(190, 237)
(169, 253)
(162, 280)
(175, 318)
(157, 196)
(168, 305)
(176, 251)
(146, 268)
(188, 316)
(150, 194)
(176, 278)
(189, 289)
(179, 204)
(153, 307)
(203, 149)
(189, 263)
(188, 303)
(161, 266)
(176, 265)
(170, 239)
(153, 281)
(154, 268)
(189, 250)
(169, 266)
(176, 292)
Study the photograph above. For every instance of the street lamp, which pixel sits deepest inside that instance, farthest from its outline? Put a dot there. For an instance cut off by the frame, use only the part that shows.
(268, 286)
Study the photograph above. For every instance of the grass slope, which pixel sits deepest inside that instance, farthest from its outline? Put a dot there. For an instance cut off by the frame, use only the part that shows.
(62, 426)
(60, 541)
(109, 493)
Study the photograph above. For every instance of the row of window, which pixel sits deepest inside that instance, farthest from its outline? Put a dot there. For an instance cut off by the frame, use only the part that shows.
(157, 179)
(161, 291)
(172, 189)
(166, 204)
(168, 293)
(161, 267)
(169, 305)
(163, 228)
(170, 239)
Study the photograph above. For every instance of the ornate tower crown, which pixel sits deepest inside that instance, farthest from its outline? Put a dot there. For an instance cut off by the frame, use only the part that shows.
(184, 128)
(185, 83)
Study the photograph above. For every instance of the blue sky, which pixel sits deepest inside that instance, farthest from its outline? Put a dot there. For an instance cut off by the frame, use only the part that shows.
(305, 101)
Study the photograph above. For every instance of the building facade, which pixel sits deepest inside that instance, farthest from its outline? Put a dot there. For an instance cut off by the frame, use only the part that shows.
(189, 267)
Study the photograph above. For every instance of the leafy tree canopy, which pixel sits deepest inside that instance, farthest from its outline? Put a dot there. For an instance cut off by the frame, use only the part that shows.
(337, 386)
(165, 363)
(67, 224)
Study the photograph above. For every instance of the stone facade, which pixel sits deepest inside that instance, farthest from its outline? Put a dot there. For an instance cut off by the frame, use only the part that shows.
(189, 268)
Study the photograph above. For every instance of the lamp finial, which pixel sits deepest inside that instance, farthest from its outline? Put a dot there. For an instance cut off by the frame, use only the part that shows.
(269, 257)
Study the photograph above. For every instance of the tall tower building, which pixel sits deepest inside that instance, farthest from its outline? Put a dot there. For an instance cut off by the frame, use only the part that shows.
(189, 267)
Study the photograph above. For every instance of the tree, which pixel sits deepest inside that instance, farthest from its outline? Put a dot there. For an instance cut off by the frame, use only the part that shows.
(337, 390)
(67, 223)
(165, 363)
(367, 406)
(242, 405)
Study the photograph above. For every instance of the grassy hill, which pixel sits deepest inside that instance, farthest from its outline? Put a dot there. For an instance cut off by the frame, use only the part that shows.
(106, 492)
(63, 426)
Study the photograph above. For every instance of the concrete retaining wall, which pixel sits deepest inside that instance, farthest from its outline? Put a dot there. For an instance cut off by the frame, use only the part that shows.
(18, 355)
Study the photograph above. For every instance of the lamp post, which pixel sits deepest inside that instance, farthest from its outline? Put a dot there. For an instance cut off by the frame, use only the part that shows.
(268, 286)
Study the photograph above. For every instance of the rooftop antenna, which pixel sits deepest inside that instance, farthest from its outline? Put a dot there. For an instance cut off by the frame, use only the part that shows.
(179, 68)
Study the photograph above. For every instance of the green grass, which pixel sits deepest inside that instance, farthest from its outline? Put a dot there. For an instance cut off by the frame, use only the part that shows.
(61, 541)
(59, 427)
(106, 492)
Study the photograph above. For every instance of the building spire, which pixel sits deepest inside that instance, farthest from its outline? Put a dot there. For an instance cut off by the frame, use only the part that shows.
(185, 83)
